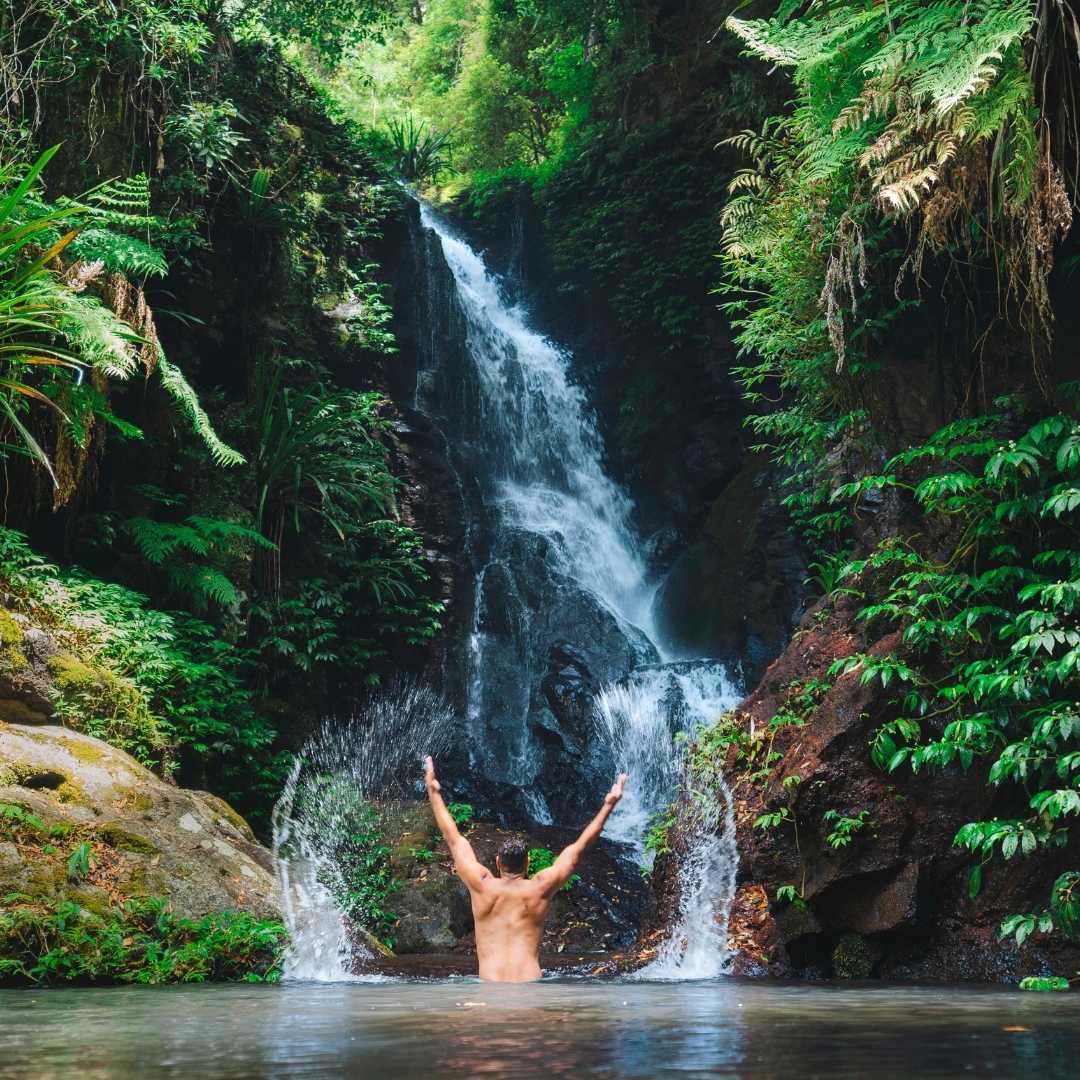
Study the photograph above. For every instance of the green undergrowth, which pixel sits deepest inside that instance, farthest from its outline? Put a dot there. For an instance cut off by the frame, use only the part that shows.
(153, 683)
(986, 672)
(48, 944)
(541, 859)
(74, 930)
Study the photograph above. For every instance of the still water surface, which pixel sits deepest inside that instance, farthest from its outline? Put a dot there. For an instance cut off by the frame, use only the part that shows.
(462, 1029)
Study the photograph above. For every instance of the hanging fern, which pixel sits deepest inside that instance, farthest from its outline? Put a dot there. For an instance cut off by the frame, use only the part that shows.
(181, 391)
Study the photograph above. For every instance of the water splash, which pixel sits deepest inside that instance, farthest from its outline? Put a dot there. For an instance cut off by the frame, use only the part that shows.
(708, 862)
(374, 754)
(642, 719)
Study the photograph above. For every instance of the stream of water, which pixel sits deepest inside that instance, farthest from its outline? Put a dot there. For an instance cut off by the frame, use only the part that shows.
(568, 1028)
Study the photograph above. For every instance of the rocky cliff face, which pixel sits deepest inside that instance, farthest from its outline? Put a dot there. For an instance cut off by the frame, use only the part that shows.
(893, 901)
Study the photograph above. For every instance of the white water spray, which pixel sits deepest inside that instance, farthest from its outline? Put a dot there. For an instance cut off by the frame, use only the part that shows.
(346, 764)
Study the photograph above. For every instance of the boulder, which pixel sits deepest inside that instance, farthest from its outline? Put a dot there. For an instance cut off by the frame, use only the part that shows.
(26, 683)
(147, 837)
(434, 913)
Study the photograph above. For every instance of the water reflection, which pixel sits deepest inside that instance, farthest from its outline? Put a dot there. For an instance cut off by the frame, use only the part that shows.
(557, 1028)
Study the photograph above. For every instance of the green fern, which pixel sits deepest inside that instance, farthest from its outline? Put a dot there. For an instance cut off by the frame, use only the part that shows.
(119, 227)
(164, 545)
(181, 391)
(119, 253)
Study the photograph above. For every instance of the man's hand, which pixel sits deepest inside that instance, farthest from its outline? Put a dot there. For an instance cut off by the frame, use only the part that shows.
(429, 775)
(615, 794)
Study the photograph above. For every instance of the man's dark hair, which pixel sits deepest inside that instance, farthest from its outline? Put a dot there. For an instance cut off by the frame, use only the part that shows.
(514, 856)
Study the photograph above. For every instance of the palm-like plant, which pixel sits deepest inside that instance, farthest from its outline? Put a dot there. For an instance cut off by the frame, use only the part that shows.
(419, 154)
(31, 308)
(50, 321)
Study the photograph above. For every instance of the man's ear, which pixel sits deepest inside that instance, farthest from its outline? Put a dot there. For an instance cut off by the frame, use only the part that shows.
(498, 863)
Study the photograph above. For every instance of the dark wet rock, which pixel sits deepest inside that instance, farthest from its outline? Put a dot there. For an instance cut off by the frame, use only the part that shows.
(533, 725)
(900, 885)
(735, 592)
(434, 912)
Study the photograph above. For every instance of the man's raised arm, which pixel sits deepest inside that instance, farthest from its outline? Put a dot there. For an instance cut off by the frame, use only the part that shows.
(469, 868)
(556, 875)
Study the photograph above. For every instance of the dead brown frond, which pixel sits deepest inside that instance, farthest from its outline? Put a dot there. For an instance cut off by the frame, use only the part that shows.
(846, 268)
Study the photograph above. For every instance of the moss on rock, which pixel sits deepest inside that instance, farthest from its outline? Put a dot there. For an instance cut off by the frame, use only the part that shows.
(116, 836)
(12, 658)
(99, 702)
(854, 958)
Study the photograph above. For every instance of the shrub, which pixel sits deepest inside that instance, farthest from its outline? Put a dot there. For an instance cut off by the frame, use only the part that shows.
(45, 944)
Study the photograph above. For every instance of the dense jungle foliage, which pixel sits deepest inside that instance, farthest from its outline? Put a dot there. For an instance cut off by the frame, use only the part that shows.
(926, 174)
(193, 324)
(200, 496)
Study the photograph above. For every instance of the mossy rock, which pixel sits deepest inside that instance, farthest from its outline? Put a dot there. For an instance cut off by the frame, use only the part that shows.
(136, 800)
(108, 797)
(116, 836)
(13, 711)
(21, 774)
(70, 673)
(796, 920)
(70, 792)
(12, 658)
(220, 807)
(402, 859)
(93, 900)
(854, 957)
(46, 876)
(101, 703)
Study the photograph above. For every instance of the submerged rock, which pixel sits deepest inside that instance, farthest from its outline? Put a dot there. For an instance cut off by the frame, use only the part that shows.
(146, 837)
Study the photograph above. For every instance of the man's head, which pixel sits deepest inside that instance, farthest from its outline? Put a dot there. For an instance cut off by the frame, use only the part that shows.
(513, 857)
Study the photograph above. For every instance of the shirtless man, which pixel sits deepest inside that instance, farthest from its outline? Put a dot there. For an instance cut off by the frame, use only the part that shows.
(509, 910)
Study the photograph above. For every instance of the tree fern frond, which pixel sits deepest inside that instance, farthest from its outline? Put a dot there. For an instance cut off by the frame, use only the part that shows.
(203, 582)
(158, 540)
(119, 253)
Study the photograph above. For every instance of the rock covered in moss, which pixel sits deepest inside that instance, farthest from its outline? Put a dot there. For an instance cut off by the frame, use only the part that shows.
(41, 682)
(854, 957)
(145, 837)
(26, 685)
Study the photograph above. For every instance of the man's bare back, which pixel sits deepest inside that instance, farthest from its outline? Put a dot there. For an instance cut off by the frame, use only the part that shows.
(509, 910)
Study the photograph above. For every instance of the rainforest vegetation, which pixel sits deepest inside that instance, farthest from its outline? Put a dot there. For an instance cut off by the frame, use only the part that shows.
(858, 215)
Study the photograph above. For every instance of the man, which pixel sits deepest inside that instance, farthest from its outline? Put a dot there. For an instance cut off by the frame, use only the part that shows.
(509, 910)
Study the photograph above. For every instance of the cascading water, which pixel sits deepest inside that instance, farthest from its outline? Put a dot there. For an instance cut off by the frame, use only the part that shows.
(562, 596)
(374, 755)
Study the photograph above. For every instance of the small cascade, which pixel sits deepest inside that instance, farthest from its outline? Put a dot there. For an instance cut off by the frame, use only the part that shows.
(697, 947)
(345, 766)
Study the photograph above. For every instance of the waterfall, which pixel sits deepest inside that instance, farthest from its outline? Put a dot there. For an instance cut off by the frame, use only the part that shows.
(562, 595)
